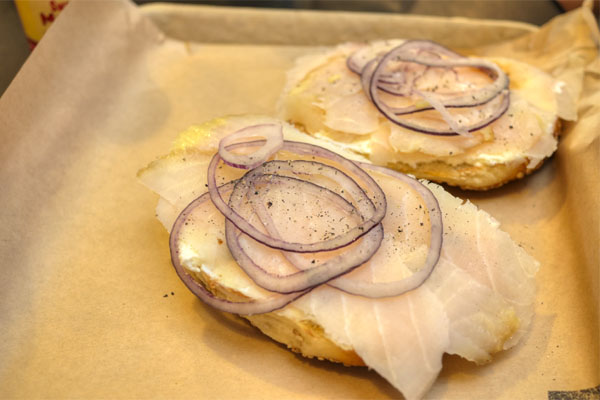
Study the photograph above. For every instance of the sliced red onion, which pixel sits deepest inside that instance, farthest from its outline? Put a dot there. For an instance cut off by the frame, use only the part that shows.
(363, 209)
(388, 289)
(470, 98)
(347, 262)
(446, 116)
(302, 149)
(429, 54)
(499, 109)
(428, 49)
(365, 77)
(358, 198)
(338, 188)
(355, 64)
(249, 307)
(273, 134)
(357, 61)
(400, 83)
(369, 289)
(377, 76)
(306, 278)
(308, 275)
(481, 96)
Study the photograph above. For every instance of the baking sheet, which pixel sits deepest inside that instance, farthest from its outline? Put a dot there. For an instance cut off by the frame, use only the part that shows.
(89, 304)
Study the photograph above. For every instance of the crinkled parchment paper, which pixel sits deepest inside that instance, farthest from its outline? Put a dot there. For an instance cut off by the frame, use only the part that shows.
(89, 304)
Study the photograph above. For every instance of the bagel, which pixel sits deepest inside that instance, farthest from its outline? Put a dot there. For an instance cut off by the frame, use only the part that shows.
(477, 301)
(324, 97)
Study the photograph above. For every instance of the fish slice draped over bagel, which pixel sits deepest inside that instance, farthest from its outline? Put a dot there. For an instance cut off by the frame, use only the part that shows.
(421, 108)
(334, 257)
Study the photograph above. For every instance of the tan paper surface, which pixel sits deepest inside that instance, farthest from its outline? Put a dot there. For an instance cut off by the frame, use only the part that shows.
(89, 304)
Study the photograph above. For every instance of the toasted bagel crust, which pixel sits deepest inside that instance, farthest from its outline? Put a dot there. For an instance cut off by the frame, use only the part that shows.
(298, 331)
(466, 176)
(470, 176)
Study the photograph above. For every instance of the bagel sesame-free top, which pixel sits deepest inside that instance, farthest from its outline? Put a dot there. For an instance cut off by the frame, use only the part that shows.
(469, 122)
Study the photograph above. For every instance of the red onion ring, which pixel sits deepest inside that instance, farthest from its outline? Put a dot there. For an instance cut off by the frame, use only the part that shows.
(389, 289)
(413, 51)
(305, 277)
(244, 308)
(273, 134)
(358, 59)
(376, 77)
(367, 206)
(371, 290)
(497, 112)
(471, 98)
(330, 244)
(366, 75)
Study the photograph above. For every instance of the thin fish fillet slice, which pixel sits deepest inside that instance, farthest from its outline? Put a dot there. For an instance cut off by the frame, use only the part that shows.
(478, 301)
(474, 243)
(393, 336)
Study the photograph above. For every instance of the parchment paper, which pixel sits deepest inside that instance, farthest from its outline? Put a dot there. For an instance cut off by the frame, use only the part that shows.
(89, 304)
